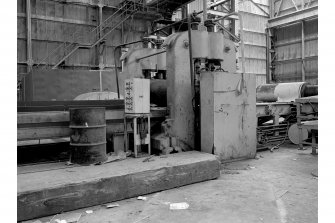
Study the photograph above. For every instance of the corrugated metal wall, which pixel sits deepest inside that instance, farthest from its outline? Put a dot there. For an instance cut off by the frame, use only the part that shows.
(54, 22)
(288, 64)
(288, 44)
(254, 24)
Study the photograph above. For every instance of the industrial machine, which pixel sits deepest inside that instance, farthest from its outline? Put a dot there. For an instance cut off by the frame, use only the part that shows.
(211, 108)
(218, 118)
(277, 111)
(148, 61)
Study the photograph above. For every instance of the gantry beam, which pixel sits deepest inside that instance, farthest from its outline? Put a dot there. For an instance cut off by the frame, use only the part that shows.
(294, 17)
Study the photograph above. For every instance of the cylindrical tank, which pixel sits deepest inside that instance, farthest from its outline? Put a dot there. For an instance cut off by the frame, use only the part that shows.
(310, 90)
(288, 92)
(216, 44)
(88, 138)
(284, 92)
(265, 93)
(200, 44)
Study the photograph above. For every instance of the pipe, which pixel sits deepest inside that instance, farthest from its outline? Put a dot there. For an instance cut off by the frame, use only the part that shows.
(204, 4)
(190, 52)
(241, 34)
(227, 31)
(101, 58)
(115, 67)
(29, 43)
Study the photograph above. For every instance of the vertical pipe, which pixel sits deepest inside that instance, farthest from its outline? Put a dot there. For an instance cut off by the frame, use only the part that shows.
(242, 42)
(184, 12)
(190, 52)
(122, 33)
(299, 125)
(100, 80)
(135, 136)
(204, 3)
(29, 43)
(233, 23)
(101, 56)
(192, 75)
(303, 51)
(268, 57)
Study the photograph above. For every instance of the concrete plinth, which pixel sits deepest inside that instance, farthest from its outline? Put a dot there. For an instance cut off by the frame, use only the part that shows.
(57, 190)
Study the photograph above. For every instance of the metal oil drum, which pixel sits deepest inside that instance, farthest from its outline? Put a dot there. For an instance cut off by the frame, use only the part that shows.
(88, 137)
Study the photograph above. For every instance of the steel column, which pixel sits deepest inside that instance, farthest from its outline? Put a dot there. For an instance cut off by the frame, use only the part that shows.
(268, 57)
(303, 51)
(204, 2)
(101, 56)
(29, 42)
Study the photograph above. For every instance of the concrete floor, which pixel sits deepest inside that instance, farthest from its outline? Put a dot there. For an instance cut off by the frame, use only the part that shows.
(276, 187)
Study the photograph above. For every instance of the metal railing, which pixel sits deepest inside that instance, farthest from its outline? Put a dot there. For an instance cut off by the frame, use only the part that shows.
(67, 48)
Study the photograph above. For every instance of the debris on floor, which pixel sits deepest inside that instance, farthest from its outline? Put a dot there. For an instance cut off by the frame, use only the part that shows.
(60, 221)
(148, 159)
(142, 198)
(66, 218)
(112, 205)
(281, 193)
(142, 219)
(89, 212)
(114, 157)
(69, 163)
(179, 206)
(257, 157)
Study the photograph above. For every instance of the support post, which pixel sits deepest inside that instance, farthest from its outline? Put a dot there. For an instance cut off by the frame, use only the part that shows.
(276, 123)
(29, 42)
(101, 47)
(272, 9)
(303, 51)
(204, 3)
(233, 23)
(184, 12)
(268, 57)
(299, 125)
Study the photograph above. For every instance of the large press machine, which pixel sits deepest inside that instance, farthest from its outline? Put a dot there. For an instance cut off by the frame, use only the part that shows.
(211, 107)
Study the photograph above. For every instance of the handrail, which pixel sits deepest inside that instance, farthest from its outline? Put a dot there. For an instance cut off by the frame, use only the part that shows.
(89, 46)
(75, 38)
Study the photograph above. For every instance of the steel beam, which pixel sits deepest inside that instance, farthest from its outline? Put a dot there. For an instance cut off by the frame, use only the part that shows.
(221, 14)
(101, 45)
(308, 13)
(29, 42)
(204, 3)
(260, 8)
(303, 75)
(268, 57)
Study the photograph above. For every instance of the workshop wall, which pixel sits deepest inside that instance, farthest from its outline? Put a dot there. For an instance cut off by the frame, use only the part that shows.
(288, 66)
(56, 22)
